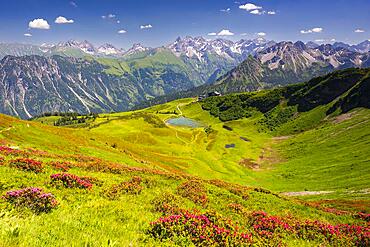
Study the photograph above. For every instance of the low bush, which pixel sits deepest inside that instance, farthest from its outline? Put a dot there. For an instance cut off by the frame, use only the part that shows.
(92, 180)
(268, 227)
(132, 187)
(33, 198)
(362, 216)
(236, 189)
(167, 204)
(70, 181)
(26, 164)
(236, 207)
(207, 229)
(194, 190)
(211, 229)
(63, 166)
(5, 150)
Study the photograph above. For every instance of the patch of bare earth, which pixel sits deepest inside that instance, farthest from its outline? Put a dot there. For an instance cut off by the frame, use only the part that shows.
(268, 157)
(280, 138)
(343, 117)
(306, 193)
(249, 163)
(266, 160)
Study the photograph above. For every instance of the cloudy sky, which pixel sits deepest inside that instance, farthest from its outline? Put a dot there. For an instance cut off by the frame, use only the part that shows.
(159, 22)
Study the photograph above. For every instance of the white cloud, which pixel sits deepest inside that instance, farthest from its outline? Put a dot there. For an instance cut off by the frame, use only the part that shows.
(225, 32)
(243, 34)
(317, 30)
(249, 7)
(27, 35)
(146, 26)
(313, 30)
(257, 12)
(109, 16)
(63, 20)
(39, 24)
(261, 34)
(212, 34)
(118, 21)
(319, 40)
(255, 9)
(225, 10)
(359, 30)
(122, 31)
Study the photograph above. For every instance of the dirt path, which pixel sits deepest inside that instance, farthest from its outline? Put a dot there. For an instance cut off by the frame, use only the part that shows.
(174, 128)
(178, 108)
(306, 193)
(7, 129)
(176, 131)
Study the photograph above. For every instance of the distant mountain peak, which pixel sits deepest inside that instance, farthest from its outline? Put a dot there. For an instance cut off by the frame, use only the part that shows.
(84, 46)
(199, 47)
(299, 44)
(311, 45)
(137, 47)
(109, 49)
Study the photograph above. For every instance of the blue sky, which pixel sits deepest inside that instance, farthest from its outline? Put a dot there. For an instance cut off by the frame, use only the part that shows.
(99, 21)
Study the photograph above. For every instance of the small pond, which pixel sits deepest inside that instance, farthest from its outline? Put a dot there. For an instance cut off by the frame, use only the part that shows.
(184, 121)
(232, 145)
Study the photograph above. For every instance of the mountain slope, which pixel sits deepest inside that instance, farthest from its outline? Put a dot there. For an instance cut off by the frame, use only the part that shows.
(88, 79)
(32, 85)
(286, 63)
(342, 90)
(277, 65)
(321, 131)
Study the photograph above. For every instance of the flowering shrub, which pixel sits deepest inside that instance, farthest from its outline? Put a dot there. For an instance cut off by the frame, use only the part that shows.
(211, 229)
(273, 226)
(70, 181)
(63, 166)
(167, 203)
(27, 164)
(237, 208)
(91, 180)
(32, 198)
(236, 189)
(201, 229)
(2, 160)
(120, 169)
(194, 190)
(9, 151)
(362, 216)
(131, 187)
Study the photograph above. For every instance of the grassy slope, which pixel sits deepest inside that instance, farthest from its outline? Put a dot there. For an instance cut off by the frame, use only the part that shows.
(94, 220)
(283, 163)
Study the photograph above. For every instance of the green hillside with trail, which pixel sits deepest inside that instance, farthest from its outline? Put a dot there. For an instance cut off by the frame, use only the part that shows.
(281, 167)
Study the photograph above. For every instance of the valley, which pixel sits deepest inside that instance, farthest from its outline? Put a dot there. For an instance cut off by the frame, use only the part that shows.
(208, 123)
(236, 164)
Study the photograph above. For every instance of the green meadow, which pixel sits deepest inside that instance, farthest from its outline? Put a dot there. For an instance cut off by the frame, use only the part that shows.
(239, 162)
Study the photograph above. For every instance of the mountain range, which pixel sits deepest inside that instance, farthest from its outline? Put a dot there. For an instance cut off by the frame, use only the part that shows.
(77, 76)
